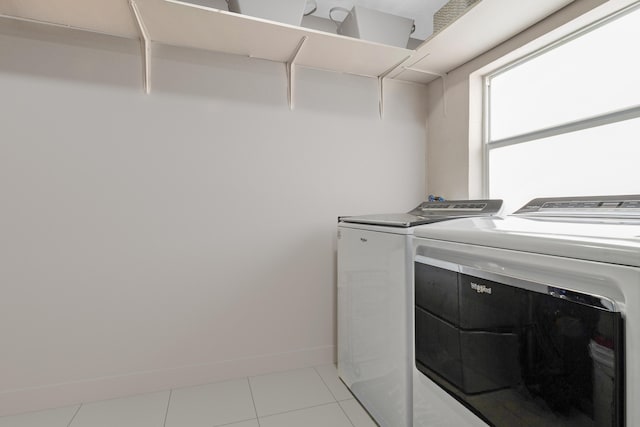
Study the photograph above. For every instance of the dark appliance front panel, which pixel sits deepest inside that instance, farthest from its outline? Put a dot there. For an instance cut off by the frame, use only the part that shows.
(438, 292)
(516, 356)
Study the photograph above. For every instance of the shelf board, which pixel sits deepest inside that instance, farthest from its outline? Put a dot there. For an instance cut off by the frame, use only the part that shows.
(190, 25)
(111, 17)
(414, 75)
(484, 26)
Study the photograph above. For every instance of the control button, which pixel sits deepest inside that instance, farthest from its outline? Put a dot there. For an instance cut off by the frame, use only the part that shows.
(635, 204)
(434, 206)
(610, 204)
(589, 205)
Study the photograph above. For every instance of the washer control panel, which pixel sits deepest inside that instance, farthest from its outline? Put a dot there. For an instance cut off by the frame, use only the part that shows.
(592, 206)
(459, 207)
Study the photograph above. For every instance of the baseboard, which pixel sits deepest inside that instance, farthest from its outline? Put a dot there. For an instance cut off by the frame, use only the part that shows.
(72, 393)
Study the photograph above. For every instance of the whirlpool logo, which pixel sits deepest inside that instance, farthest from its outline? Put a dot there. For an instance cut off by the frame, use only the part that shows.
(481, 289)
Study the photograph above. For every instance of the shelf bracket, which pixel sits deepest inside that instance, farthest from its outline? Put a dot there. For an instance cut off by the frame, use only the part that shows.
(381, 96)
(146, 40)
(381, 78)
(444, 85)
(291, 72)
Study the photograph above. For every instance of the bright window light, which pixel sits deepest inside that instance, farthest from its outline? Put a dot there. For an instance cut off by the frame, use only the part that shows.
(596, 161)
(591, 79)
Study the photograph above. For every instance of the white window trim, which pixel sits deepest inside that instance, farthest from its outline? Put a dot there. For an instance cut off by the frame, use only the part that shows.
(586, 123)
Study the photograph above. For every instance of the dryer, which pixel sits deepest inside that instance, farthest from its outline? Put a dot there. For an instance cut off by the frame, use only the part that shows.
(375, 267)
(532, 319)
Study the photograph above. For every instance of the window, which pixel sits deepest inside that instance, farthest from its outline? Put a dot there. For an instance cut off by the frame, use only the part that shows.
(565, 120)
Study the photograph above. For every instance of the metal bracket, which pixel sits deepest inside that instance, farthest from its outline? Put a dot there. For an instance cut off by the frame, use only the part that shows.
(444, 85)
(381, 96)
(291, 72)
(146, 45)
(381, 78)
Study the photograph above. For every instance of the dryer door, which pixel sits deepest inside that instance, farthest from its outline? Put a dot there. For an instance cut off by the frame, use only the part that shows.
(517, 352)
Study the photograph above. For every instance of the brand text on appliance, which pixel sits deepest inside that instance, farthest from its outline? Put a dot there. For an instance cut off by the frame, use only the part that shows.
(481, 289)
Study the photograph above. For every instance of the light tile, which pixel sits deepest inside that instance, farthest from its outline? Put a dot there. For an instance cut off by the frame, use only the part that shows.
(287, 391)
(356, 413)
(249, 423)
(145, 410)
(59, 417)
(211, 404)
(329, 375)
(318, 416)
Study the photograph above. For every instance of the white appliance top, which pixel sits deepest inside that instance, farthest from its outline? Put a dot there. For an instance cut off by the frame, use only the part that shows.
(429, 212)
(604, 229)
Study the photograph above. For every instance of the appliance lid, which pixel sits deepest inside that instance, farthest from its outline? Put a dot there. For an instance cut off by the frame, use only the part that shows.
(390, 220)
(603, 236)
(430, 212)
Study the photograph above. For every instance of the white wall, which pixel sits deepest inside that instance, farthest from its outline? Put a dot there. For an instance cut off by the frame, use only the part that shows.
(454, 118)
(181, 237)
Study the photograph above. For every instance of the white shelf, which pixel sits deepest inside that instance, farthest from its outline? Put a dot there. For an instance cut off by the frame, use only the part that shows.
(184, 24)
(484, 26)
(111, 17)
(487, 24)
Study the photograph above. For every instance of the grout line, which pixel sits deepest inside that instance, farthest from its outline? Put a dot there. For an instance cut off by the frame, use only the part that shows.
(325, 384)
(74, 415)
(300, 409)
(254, 401)
(346, 415)
(166, 414)
(353, 397)
(235, 422)
(366, 411)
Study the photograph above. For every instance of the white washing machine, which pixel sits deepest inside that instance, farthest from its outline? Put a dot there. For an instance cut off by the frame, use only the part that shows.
(375, 265)
(532, 319)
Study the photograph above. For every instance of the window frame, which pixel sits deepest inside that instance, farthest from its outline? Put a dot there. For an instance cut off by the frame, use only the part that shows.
(563, 128)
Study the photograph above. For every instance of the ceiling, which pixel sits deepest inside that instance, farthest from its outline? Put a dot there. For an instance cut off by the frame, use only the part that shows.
(421, 11)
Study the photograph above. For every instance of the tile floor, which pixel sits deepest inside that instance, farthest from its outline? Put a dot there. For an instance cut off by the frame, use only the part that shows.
(310, 397)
